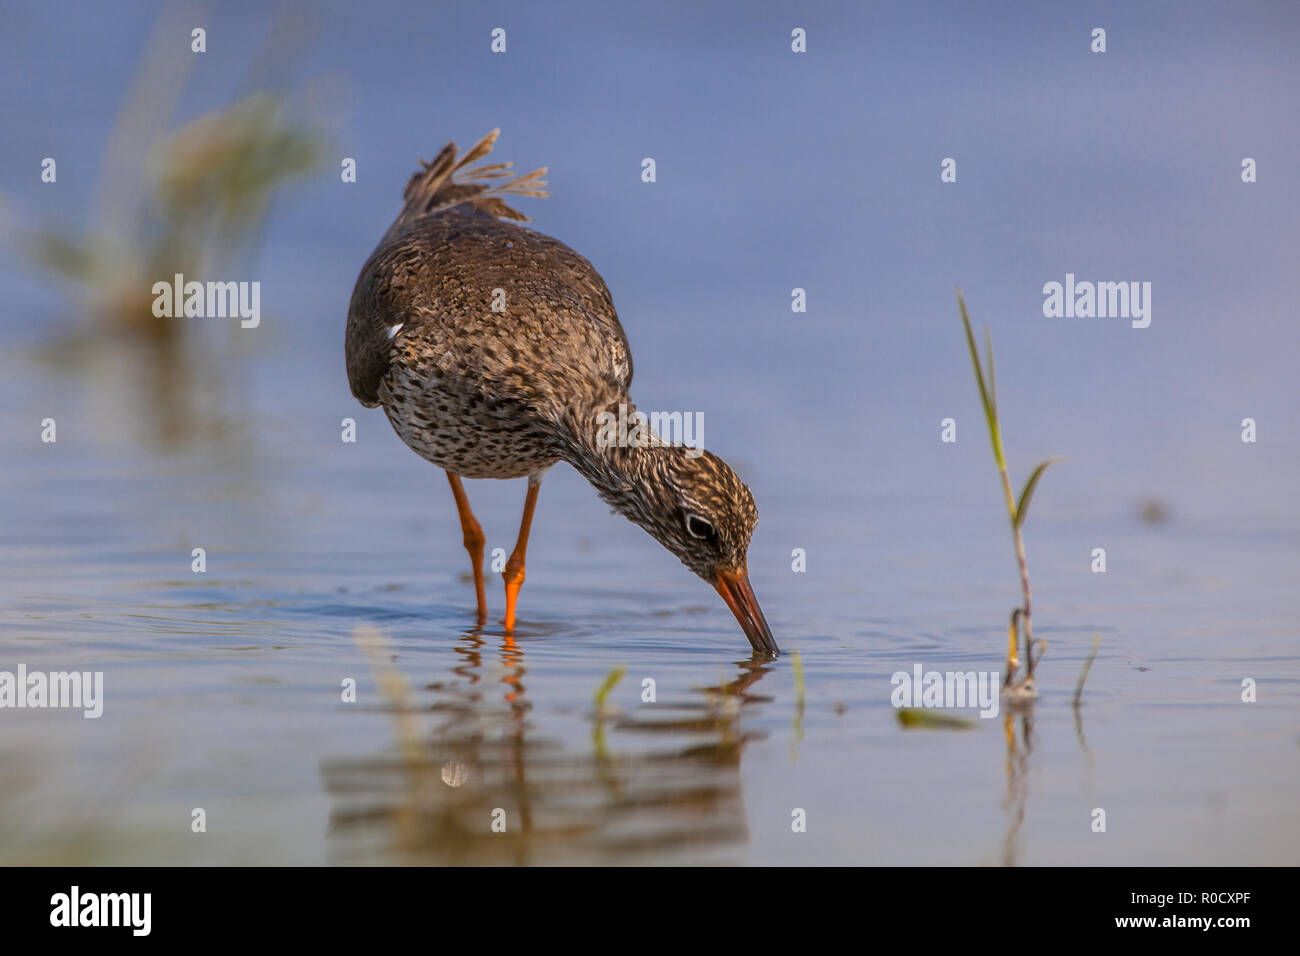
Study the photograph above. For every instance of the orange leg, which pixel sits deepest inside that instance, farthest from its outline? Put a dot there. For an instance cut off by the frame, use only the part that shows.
(474, 541)
(514, 573)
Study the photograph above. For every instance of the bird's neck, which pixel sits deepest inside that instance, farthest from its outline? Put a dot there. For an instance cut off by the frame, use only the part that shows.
(609, 445)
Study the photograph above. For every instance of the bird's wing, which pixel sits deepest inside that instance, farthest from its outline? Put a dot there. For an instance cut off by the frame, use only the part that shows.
(437, 269)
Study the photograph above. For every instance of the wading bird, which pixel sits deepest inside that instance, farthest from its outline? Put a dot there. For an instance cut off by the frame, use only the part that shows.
(493, 350)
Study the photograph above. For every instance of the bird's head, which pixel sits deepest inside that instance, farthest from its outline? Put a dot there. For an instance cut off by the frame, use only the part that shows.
(693, 504)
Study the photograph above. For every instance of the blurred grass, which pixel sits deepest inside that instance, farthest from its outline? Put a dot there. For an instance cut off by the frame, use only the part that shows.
(210, 187)
(190, 198)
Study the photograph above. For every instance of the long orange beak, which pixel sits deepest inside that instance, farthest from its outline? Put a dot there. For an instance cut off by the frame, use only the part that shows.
(736, 591)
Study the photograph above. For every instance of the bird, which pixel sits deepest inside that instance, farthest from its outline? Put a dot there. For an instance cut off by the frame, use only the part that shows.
(495, 350)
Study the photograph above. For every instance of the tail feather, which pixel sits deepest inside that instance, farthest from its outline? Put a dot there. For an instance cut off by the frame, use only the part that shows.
(446, 182)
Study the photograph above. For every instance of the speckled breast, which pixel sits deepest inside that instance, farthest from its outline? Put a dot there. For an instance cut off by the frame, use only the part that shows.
(456, 429)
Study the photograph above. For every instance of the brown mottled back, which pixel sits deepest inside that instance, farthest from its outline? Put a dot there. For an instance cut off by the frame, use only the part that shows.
(436, 274)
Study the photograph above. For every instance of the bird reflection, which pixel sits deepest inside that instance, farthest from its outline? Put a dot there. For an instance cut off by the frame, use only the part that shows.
(487, 785)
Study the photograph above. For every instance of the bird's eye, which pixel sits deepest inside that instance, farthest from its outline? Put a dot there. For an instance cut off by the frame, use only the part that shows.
(698, 527)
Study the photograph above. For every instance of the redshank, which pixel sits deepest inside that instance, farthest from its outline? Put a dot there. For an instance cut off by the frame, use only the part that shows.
(493, 350)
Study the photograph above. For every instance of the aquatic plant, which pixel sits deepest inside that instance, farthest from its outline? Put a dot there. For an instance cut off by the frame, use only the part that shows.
(1021, 622)
(190, 199)
(606, 686)
(1083, 671)
(204, 200)
(920, 717)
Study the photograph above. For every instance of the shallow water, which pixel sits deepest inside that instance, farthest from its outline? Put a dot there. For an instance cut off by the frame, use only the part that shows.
(223, 689)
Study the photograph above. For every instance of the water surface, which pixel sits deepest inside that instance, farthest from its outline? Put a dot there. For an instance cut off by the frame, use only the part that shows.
(225, 689)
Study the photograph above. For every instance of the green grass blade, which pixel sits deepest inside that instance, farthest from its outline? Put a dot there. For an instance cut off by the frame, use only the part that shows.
(975, 359)
(1022, 505)
(990, 409)
(993, 382)
(1083, 672)
(607, 685)
(916, 717)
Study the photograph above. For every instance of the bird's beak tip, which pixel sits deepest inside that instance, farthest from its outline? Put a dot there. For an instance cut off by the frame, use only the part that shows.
(739, 595)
